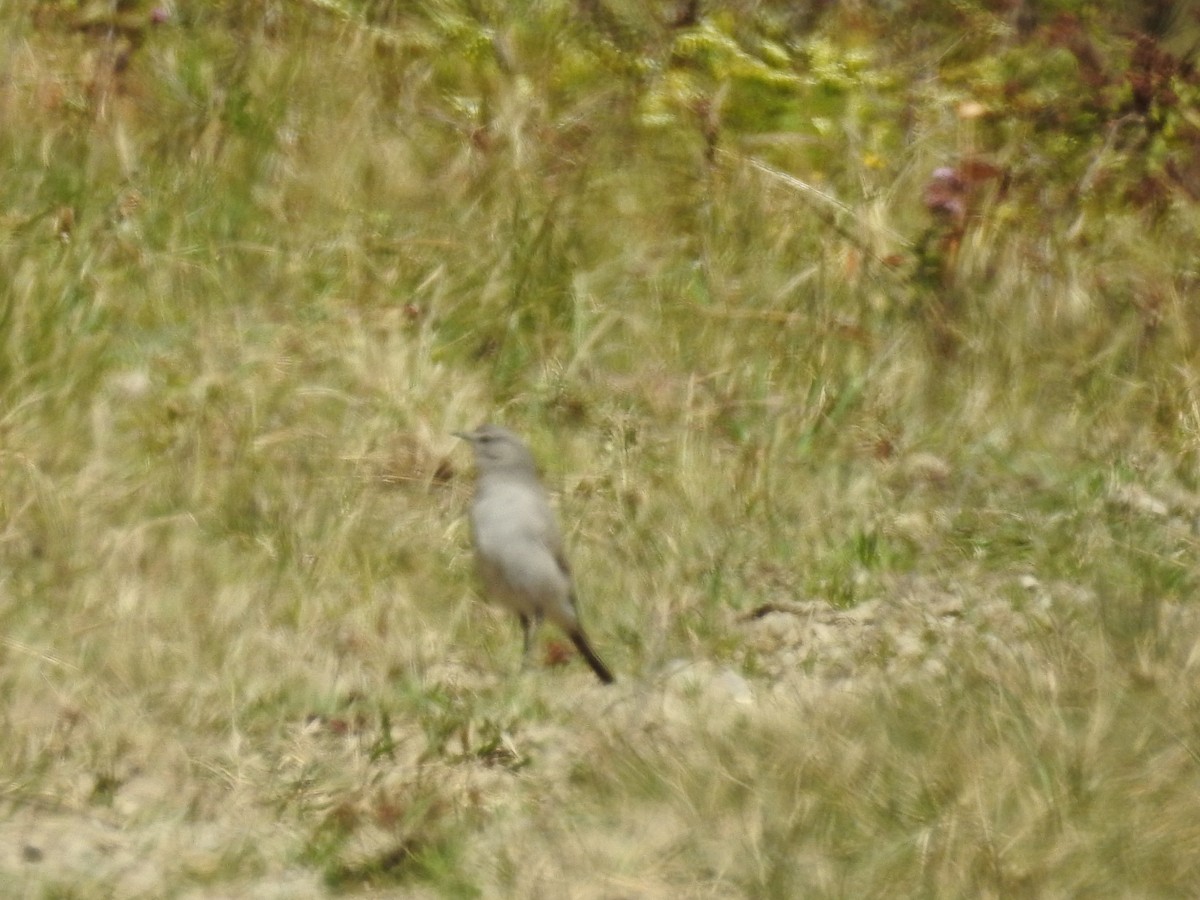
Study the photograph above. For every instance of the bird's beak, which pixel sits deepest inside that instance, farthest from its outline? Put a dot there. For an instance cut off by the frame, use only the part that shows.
(465, 435)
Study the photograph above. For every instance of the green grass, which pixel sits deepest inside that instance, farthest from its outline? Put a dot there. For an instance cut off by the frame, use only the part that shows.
(888, 530)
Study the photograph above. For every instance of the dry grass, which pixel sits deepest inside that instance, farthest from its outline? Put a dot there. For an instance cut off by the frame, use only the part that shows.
(897, 580)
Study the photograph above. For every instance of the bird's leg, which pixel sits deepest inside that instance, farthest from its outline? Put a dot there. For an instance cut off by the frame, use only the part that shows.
(529, 624)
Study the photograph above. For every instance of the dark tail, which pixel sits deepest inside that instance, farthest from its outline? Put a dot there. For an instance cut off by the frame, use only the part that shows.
(582, 645)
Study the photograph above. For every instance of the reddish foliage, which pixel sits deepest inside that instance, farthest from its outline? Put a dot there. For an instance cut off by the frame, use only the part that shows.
(952, 193)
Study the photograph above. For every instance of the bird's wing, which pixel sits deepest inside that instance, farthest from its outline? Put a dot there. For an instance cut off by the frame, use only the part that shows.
(544, 530)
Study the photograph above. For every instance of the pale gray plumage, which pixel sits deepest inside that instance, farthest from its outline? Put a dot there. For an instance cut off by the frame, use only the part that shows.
(518, 547)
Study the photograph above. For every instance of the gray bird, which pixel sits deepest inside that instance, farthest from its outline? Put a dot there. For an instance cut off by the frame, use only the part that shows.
(518, 547)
